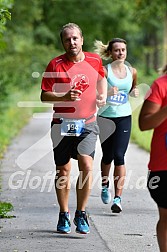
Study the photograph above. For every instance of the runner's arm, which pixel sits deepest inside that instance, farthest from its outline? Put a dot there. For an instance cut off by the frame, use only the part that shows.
(151, 115)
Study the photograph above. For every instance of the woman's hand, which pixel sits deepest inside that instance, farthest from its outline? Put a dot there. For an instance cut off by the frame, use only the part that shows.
(112, 91)
(134, 92)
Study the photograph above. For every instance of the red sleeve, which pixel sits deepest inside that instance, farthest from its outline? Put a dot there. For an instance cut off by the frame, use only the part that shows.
(101, 70)
(155, 93)
(48, 79)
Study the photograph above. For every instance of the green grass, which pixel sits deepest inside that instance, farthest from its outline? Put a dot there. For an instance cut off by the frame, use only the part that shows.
(14, 117)
(141, 138)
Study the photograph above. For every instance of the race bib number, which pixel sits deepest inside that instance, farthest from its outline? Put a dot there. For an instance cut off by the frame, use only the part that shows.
(117, 99)
(72, 127)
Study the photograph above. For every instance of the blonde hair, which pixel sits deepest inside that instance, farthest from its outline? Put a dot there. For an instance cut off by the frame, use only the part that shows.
(165, 69)
(70, 26)
(105, 50)
(162, 70)
(101, 49)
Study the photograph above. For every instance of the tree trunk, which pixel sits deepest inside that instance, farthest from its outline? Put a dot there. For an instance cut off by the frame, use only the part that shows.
(148, 61)
(155, 53)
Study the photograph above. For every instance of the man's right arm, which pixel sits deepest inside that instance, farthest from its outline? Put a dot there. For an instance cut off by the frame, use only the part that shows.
(102, 92)
(52, 97)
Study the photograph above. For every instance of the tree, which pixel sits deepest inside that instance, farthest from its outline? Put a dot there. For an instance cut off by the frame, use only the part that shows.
(152, 30)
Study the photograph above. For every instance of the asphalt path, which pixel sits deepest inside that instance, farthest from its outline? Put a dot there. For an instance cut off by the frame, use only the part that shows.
(27, 182)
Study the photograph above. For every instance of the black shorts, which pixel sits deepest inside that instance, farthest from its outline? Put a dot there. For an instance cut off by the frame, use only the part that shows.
(157, 184)
(66, 147)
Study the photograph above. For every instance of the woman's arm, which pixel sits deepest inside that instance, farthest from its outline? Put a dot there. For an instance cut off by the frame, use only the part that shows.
(134, 92)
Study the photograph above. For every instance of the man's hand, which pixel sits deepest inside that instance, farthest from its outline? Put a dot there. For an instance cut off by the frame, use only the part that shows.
(101, 101)
(72, 95)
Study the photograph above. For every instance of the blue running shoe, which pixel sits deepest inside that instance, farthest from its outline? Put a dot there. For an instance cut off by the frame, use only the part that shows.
(81, 222)
(105, 195)
(64, 225)
(116, 206)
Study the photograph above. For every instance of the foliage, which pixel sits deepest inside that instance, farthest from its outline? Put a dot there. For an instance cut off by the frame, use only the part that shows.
(19, 66)
(145, 15)
(151, 31)
(103, 20)
(5, 5)
(16, 117)
(5, 15)
(4, 209)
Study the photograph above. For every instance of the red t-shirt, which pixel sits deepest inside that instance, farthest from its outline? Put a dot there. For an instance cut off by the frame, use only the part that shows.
(62, 74)
(158, 153)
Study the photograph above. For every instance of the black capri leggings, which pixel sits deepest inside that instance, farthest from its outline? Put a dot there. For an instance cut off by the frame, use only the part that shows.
(114, 138)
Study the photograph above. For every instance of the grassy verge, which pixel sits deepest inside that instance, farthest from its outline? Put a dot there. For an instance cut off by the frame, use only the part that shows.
(141, 138)
(12, 119)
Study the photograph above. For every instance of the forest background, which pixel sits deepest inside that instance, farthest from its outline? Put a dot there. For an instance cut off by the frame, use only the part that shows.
(31, 38)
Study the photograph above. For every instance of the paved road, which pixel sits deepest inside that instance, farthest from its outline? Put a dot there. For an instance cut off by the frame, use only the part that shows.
(28, 172)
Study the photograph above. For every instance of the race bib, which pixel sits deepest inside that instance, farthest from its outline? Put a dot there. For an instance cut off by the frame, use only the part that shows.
(72, 127)
(117, 99)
